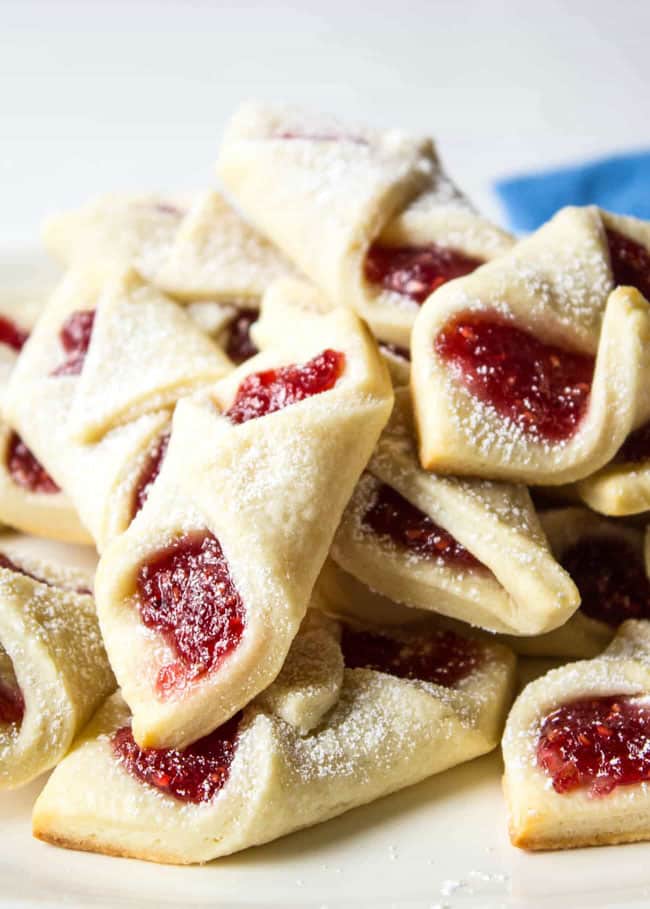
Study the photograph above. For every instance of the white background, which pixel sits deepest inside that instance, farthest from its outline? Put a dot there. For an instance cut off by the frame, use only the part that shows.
(110, 94)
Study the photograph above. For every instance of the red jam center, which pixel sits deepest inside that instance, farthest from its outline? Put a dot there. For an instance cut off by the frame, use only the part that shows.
(193, 775)
(186, 593)
(25, 470)
(441, 657)
(596, 743)
(416, 271)
(391, 515)
(265, 392)
(75, 336)
(611, 578)
(240, 346)
(636, 447)
(11, 334)
(542, 389)
(12, 704)
(149, 473)
(630, 262)
(402, 352)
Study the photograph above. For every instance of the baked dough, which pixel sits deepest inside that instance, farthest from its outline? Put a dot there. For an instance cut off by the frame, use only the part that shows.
(323, 192)
(51, 653)
(540, 817)
(271, 490)
(521, 589)
(94, 432)
(556, 284)
(47, 514)
(382, 734)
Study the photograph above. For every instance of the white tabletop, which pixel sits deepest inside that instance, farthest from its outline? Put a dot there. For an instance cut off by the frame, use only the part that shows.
(111, 94)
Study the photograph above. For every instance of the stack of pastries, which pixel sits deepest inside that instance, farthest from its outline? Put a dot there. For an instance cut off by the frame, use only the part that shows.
(344, 448)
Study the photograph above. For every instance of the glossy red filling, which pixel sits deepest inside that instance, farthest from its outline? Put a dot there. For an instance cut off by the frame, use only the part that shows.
(186, 593)
(402, 352)
(416, 271)
(149, 472)
(11, 334)
(630, 262)
(12, 704)
(194, 775)
(266, 392)
(240, 346)
(441, 657)
(543, 389)
(596, 744)
(391, 515)
(636, 447)
(25, 470)
(611, 578)
(75, 335)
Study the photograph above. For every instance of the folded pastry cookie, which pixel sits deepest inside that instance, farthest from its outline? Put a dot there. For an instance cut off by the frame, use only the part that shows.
(576, 750)
(53, 669)
(535, 368)
(405, 707)
(200, 252)
(470, 549)
(368, 215)
(103, 419)
(606, 561)
(201, 597)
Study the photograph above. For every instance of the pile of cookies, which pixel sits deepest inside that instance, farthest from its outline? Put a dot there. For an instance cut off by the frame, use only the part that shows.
(344, 448)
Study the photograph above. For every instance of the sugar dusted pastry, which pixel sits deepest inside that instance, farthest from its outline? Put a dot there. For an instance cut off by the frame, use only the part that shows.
(103, 420)
(115, 231)
(255, 479)
(535, 368)
(53, 669)
(470, 549)
(408, 706)
(576, 750)
(200, 252)
(622, 487)
(30, 500)
(368, 215)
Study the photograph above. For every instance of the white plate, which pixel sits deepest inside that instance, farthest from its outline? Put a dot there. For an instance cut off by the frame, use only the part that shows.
(442, 843)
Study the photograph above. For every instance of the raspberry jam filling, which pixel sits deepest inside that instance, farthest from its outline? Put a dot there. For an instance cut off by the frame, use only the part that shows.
(11, 334)
(415, 271)
(391, 515)
(441, 657)
(240, 346)
(75, 336)
(12, 703)
(266, 392)
(611, 578)
(596, 744)
(25, 470)
(149, 473)
(402, 352)
(630, 262)
(636, 448)
(543, 389)
(194, 775)
(186, 593)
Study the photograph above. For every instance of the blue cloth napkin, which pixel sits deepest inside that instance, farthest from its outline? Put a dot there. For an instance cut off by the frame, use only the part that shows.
(620, 184)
